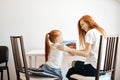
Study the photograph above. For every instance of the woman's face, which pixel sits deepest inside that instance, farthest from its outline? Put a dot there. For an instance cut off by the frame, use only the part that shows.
(84, 25)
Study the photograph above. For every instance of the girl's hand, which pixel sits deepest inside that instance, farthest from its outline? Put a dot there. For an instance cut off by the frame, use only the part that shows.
(60, 47)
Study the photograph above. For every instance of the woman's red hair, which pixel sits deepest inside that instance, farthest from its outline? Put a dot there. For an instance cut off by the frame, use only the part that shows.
(92, 24)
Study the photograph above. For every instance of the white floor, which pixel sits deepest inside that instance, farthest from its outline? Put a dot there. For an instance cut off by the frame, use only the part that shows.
(65, 65)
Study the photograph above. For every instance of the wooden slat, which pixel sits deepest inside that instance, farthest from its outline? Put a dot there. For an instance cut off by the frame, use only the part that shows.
(16, 54)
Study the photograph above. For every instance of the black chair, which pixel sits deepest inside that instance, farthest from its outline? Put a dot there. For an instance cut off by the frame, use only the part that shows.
(109, 59)
(4, 55)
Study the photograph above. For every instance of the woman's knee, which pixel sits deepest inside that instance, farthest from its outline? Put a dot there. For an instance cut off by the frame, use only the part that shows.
(73, 63)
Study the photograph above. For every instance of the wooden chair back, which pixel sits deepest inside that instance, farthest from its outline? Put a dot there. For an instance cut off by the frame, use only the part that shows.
(110, 58)
(18, 49)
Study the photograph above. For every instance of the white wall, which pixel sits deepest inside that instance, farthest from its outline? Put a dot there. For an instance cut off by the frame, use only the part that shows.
(34, 18)
(118, 61)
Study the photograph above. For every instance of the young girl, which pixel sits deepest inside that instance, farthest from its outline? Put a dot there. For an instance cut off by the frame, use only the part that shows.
(53, 56)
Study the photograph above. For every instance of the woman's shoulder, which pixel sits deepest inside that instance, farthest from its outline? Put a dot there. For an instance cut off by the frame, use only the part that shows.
(93, 31)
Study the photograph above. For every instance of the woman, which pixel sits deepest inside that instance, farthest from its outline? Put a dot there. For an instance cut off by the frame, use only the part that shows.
(89, 36)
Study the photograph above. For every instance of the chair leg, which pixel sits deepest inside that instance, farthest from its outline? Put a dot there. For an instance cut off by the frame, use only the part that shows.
(8, 73)
(18, 76)
(2, 75)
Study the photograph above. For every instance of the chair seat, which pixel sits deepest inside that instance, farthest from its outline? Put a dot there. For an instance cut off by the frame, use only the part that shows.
(81, 77)
(34, 77)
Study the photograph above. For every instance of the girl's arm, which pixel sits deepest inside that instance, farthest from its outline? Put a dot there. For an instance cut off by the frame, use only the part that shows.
(71, 51)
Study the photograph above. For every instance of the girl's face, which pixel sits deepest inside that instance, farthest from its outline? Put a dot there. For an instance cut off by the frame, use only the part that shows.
(84, 25)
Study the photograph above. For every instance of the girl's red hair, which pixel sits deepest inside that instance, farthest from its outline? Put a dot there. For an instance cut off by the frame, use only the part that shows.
(50, 37)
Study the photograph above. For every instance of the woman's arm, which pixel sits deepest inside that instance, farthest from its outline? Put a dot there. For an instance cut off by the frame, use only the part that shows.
(85, 52)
